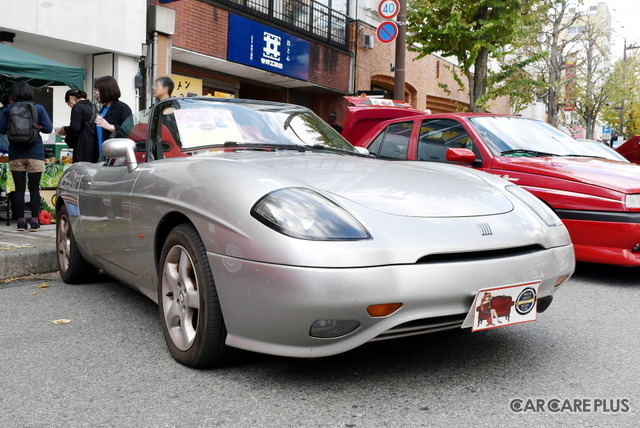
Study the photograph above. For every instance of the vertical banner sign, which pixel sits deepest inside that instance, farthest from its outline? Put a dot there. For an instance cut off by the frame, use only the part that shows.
(571, 86)
(260, 46)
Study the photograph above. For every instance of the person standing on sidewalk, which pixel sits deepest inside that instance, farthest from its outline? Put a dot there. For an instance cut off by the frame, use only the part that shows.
(26, 153)
(81, 133)
(113, 113)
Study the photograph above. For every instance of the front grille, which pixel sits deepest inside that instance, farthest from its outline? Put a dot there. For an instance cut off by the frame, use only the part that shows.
(423, 326)
(480, 255)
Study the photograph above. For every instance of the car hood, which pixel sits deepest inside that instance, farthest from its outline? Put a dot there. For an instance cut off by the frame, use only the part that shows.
(399, 188)
(620, 176)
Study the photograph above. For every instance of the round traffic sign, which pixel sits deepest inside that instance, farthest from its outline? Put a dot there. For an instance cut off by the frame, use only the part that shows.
(388, 9)
(387, 32)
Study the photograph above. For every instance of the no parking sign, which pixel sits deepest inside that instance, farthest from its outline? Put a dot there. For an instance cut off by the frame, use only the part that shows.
(387, 32)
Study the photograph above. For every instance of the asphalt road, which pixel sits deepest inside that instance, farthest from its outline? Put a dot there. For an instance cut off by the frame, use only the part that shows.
(109, 367)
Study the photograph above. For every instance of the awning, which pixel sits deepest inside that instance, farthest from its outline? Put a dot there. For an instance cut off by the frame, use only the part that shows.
(36, 70)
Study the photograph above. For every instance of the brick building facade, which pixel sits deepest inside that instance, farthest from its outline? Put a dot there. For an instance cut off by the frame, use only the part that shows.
(200, 46)
(424, 78)
(338, 62)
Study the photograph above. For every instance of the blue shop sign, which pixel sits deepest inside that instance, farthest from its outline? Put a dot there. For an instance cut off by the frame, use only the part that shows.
(263, 47)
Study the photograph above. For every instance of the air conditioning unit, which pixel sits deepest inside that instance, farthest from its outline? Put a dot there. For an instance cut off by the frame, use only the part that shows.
(368, 41)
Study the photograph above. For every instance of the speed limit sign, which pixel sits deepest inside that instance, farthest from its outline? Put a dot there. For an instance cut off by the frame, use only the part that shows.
(388, 9)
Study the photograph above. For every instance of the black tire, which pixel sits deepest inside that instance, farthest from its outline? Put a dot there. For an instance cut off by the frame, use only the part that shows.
(74, 269)
(193, 329)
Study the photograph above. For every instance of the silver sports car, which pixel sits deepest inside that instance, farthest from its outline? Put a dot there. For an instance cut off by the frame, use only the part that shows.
(256, 226)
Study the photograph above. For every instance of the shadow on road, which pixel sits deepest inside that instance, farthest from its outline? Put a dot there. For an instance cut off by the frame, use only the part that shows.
(610, 275)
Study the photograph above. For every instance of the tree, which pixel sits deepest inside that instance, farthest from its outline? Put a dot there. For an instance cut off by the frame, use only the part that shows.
(553, 40)
(473, 32)
(594, 81)
(622, 84)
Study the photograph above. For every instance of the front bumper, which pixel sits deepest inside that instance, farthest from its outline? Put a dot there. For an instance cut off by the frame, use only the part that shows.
(604, 237)
(269, 308)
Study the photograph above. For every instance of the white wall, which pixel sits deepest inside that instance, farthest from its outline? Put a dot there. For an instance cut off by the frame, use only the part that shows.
(114, 25)
(71, 31)
(126, 68)
(536, 110)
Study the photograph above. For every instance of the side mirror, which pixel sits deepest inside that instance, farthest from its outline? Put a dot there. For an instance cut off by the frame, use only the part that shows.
(362, 150)
(121, 148)
(461, 156)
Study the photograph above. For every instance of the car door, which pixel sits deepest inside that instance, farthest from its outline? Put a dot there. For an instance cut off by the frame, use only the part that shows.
(394, 142)
(437, 135)
(104, 199)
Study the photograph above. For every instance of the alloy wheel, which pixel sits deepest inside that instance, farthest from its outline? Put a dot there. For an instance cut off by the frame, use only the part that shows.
(180, 297)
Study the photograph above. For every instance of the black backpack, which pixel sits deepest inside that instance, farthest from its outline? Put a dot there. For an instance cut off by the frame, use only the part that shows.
(23, 129)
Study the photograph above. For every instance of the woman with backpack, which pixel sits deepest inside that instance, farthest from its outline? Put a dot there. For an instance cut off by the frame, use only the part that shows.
(23, 121)
(113, 113)
(81, 133)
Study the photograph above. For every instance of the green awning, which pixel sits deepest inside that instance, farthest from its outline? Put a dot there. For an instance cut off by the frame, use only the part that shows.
(36, 70)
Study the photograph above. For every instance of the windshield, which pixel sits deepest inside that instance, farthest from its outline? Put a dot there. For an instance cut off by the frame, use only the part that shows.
(205, 123)
(601, 150)
(516, 136)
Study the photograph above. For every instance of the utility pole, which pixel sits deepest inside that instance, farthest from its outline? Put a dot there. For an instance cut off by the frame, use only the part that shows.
(401, 48)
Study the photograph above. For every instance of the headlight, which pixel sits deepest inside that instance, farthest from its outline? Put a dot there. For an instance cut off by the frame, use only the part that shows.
(632, 201)
(540, 208)
(305, 214)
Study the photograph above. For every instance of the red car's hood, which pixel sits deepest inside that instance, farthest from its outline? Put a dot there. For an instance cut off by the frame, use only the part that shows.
(614, 175)
(631, 149)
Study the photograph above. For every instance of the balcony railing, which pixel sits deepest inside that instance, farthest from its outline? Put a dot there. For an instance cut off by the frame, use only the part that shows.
(306, 17)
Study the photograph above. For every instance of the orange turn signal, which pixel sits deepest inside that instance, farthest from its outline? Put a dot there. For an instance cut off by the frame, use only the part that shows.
(560, 280)
(383, 310)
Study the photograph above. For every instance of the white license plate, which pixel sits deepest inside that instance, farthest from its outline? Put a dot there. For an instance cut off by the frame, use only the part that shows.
(500, 306)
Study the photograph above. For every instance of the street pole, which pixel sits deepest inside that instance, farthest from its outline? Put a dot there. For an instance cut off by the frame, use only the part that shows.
(624, 85)
(401, 47)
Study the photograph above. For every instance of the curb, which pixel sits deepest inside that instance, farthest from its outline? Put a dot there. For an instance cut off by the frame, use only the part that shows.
(28, 261)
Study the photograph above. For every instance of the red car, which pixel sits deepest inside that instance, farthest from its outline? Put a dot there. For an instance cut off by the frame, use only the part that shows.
(631, 149)
(598, 199)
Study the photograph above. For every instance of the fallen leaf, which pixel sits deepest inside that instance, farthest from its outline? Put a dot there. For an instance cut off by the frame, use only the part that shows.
(35, 292)
(61, 321)
(43, 285)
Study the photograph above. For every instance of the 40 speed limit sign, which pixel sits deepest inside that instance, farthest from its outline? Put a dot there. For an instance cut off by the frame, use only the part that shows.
(388, 9)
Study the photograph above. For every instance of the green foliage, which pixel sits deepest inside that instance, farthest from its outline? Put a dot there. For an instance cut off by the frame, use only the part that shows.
(474, 31)
(445, 88)
(623, 86)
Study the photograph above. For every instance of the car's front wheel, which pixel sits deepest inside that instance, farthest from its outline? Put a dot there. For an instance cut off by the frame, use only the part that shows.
(74, 269)
(188, 301)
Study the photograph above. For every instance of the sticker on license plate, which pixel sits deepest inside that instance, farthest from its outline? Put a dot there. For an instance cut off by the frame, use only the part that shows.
(506, 305)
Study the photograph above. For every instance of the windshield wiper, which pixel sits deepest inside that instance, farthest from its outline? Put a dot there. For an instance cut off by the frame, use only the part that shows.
(331, 149)
(573, 155)
(535, 153)
(233, 144)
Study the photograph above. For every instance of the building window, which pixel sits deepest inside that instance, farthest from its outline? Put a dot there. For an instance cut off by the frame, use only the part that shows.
(577, 30)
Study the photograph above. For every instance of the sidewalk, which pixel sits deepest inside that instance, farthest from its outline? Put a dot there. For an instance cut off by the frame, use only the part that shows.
(27, 253)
